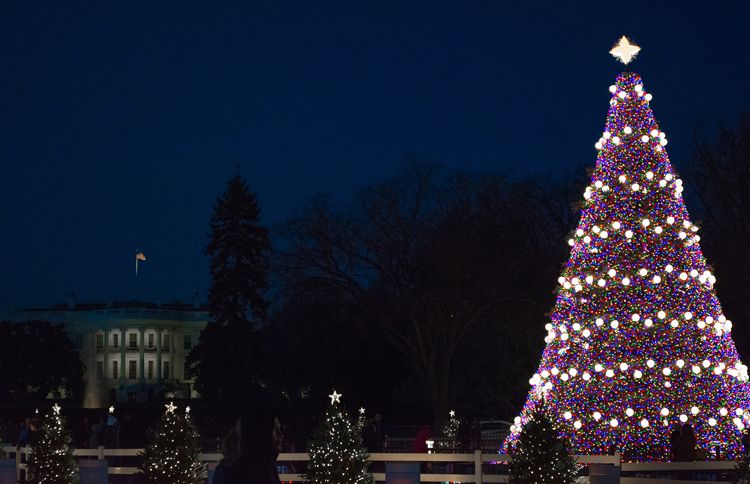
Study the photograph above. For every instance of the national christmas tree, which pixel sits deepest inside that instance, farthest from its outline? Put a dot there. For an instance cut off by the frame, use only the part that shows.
(52, 460)
(337, 455)
(174, 455)
(637, 341)
(541, 454)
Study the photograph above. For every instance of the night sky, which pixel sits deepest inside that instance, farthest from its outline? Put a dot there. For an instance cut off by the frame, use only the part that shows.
(122, 121)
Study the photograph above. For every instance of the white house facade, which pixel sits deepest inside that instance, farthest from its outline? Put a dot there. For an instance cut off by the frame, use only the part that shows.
(132, 351)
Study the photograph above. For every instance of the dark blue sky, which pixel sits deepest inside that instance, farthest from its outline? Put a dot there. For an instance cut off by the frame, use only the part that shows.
(122, 121)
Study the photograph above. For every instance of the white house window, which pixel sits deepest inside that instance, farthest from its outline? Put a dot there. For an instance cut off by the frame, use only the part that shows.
(99, 342)
(132, 369)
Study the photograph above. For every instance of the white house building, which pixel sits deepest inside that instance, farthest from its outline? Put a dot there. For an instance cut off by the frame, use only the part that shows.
(132, 351)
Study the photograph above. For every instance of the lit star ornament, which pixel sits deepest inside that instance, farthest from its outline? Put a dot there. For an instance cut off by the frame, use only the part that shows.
(624, 51)
(56, 409)
(452, 413)
(335, 397)
(362, 410)
(170, 407)
(112, 409)
(187, 410)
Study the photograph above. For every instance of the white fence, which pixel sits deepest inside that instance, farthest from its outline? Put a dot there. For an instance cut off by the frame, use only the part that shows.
(476, 467)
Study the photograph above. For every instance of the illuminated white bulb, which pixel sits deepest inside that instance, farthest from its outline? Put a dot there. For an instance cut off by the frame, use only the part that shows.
(587, 239)
(694, 410)
(598, 367)
(635, 187)
(629, 234)
(586, 376)
(712, 422)
(577, 424)
(662, 183)
(648, 97)
(609, 373)
(683, 276)
(635, 317)
(644, 423)
(669, 268)
(680, 363)
(648, 323)
(670, 220)
(644, 138)
(579, 232)
(706, 363)
(723, 412)
(615, 225)
(623, 366)
(568, 415)
(739, 412)
(661, 315)
(638, 87)
(654, 133)
(665, 411)
(663, 142)
(674, 323)
(613, 422)
(601, 282)
(597, 415)
(616, 140)
(571, 242)
(694, 273)
(586, 333)
(628, 130)
(599, 321)
(650, 363)
(622, 95)
(683, 418)
(688, 315)
(612, 88)
(657, 279)
(603, 234)
(643, 272)
(629, 412)
(682, 235)
(622, 178)
(637, 374)
(645, 222)
(667, 371)
(658, 230)
(606, 135)
(598, 145)
(589, 279)
(696, 369)
(625, 281)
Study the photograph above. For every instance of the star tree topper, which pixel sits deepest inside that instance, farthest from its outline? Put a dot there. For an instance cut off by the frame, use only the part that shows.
(335, 397)
(56, 409)
(624, 51)
(170, 408)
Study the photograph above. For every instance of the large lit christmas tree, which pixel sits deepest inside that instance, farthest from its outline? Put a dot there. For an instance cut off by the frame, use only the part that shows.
(337, 455)
(638, 342)
(174, 455)
(52, 460)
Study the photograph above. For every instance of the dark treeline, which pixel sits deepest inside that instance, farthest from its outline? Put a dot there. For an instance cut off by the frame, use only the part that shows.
(426, 292)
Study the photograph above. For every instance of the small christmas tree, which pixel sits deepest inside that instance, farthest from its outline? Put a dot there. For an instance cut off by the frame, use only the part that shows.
(52, 460)
(337, 455)
(449, 438)
(541, 455)
(174, 455)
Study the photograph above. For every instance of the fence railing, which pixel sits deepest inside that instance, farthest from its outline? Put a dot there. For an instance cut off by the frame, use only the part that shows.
(476, 467)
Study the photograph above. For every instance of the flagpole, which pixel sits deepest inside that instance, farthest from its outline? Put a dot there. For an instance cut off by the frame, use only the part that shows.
(136, 265)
